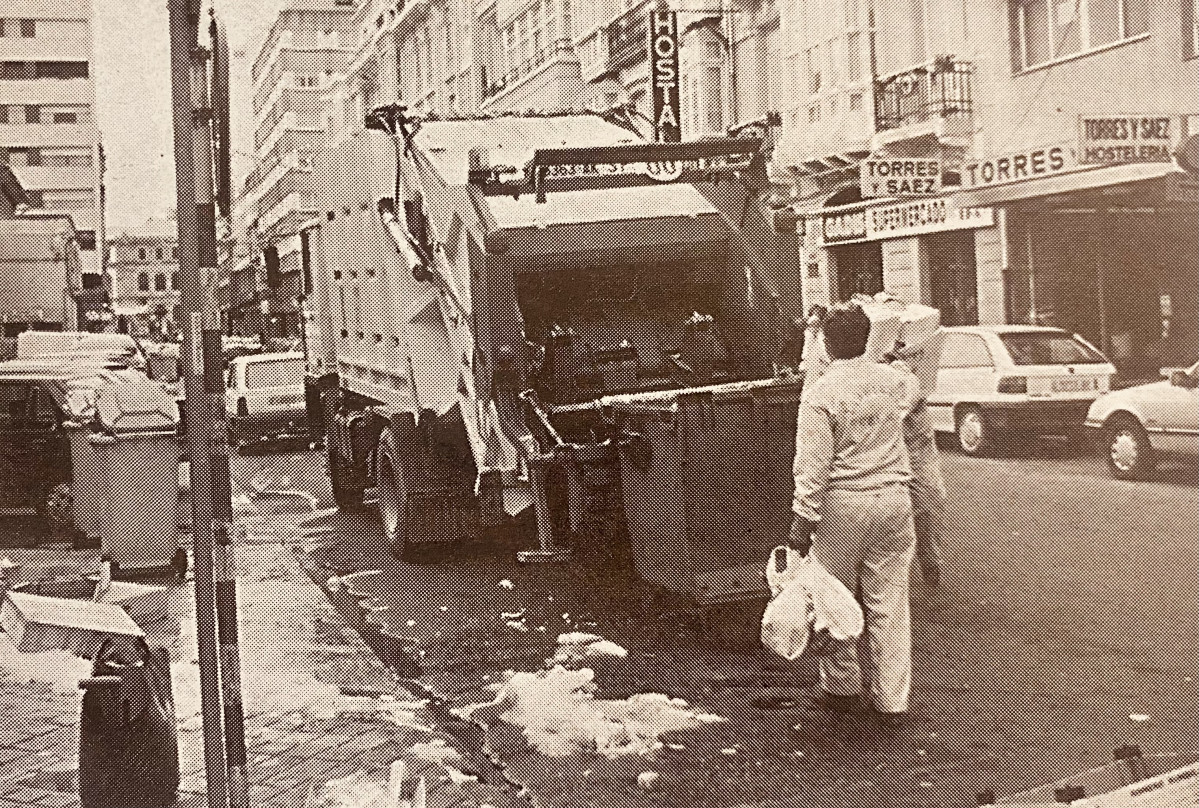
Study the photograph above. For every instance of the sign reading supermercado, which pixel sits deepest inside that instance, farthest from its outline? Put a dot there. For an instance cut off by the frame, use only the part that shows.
(902, 219)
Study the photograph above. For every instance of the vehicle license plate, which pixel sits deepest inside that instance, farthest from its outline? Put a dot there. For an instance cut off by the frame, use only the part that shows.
(1073, 384)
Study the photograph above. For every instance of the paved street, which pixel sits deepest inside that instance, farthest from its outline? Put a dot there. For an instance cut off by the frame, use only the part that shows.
(1068, 608)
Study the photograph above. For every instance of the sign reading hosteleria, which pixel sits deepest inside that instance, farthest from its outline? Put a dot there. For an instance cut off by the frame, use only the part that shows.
(902, 219)
(1125, 139)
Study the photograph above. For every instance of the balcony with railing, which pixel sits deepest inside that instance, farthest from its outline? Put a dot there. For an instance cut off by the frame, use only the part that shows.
(934, 99)
(628, 38)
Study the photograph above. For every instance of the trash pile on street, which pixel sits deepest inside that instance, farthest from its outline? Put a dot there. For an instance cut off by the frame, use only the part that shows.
(558, 712)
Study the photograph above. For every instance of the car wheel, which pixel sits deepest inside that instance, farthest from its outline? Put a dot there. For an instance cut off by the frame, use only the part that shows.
(1129, 455)
(394, 505)
(973, 432)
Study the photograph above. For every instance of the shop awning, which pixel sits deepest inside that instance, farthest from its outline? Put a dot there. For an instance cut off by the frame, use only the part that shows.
(1067, 182)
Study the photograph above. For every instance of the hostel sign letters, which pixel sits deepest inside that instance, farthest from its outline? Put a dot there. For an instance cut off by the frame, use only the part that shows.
(664, 74)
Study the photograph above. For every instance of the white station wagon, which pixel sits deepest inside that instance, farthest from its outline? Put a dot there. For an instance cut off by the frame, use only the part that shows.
(1140, 424)
(998, 383)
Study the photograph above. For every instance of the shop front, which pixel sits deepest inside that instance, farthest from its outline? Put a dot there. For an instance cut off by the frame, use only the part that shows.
(1105, 250)
(925, 250)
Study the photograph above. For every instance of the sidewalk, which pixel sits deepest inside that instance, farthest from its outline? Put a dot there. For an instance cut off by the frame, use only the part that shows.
(299, 662)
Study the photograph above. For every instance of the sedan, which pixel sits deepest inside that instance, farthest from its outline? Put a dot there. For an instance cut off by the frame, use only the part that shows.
(1141, 424)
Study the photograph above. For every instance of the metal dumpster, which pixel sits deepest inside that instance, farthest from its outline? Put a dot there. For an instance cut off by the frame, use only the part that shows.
(707, 485)
(139, 470)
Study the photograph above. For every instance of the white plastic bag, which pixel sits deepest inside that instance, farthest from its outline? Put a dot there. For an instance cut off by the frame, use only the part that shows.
(806, 599)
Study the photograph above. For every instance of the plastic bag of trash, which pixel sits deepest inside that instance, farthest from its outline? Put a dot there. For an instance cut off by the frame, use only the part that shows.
(807, 601)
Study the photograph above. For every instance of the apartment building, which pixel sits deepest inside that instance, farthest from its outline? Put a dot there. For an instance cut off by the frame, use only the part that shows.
(143, 271)
(48, 134)
(469, 57)
(1044, 134)
(303, 54)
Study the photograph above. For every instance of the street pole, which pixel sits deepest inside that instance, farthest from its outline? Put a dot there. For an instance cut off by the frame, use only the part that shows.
(200, 365)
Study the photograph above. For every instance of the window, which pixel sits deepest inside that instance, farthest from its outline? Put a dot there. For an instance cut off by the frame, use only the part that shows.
(158, 253)
(141, 253)
(276, 373)
(1045, 30)
(60, 70)
(306, 81)
(160, 282)
(174, 253)
(64, 117)
(86, 239)
(174, 280)
(1048, 349)
(33, 113)
(14, 403)
(1190, 27)
(16, 71)
(143, 280)
(28, 29)
(965, 351)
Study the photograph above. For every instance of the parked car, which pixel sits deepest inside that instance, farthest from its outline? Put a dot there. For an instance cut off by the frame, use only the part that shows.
(264, 397)
(1138, 425)
(999, 383)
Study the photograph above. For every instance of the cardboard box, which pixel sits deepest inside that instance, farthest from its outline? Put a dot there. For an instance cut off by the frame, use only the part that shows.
(37, 623)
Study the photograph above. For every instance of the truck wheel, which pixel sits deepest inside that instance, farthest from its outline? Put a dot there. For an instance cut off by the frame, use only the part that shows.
(346, 495)
(394, 506)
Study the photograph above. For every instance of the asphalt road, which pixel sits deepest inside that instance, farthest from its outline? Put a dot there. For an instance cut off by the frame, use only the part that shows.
(1067, 625)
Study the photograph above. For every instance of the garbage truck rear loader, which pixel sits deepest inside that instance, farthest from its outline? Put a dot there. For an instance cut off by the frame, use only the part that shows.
(497, 302)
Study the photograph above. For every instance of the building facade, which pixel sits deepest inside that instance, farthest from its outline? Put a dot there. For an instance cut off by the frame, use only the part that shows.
(304, 53)
(143, 276)
(465, 57)
(1004, 161)
(48, 134)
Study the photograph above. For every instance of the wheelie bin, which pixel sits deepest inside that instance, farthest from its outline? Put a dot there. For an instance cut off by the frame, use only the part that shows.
(138, 458)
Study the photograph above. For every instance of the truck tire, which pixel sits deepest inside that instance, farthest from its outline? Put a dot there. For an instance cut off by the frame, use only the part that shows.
(347, 493)
(395, 506)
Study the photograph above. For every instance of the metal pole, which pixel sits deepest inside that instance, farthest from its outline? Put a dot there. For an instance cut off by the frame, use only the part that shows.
(222, 495)
(184, 20)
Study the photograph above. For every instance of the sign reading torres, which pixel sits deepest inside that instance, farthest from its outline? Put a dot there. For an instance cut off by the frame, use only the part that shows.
(664, 74)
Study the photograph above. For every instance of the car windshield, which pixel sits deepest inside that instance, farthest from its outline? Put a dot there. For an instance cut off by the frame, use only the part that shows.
(275, 373)
(1040, 348)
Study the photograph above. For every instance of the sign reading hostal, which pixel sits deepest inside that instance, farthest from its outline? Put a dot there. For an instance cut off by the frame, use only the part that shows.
(900, 176)
(1125, 139)
(664, 74)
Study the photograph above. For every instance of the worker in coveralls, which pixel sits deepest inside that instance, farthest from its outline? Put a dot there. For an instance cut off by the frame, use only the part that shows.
(853, 509)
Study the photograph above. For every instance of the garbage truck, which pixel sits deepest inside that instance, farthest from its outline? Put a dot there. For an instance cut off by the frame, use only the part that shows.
(505, 314)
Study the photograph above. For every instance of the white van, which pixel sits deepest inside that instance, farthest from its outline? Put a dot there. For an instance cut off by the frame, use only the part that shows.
(264, 397)
(998, 383)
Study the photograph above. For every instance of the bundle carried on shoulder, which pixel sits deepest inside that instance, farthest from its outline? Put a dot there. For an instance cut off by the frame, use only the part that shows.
(907, 331)
(807, 603)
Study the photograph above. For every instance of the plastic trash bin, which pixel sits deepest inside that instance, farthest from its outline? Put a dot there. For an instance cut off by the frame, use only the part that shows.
(138, 457)
(707, 485)
(86, 481)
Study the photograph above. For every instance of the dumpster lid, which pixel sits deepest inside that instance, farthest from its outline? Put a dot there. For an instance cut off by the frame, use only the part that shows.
(136, 406)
